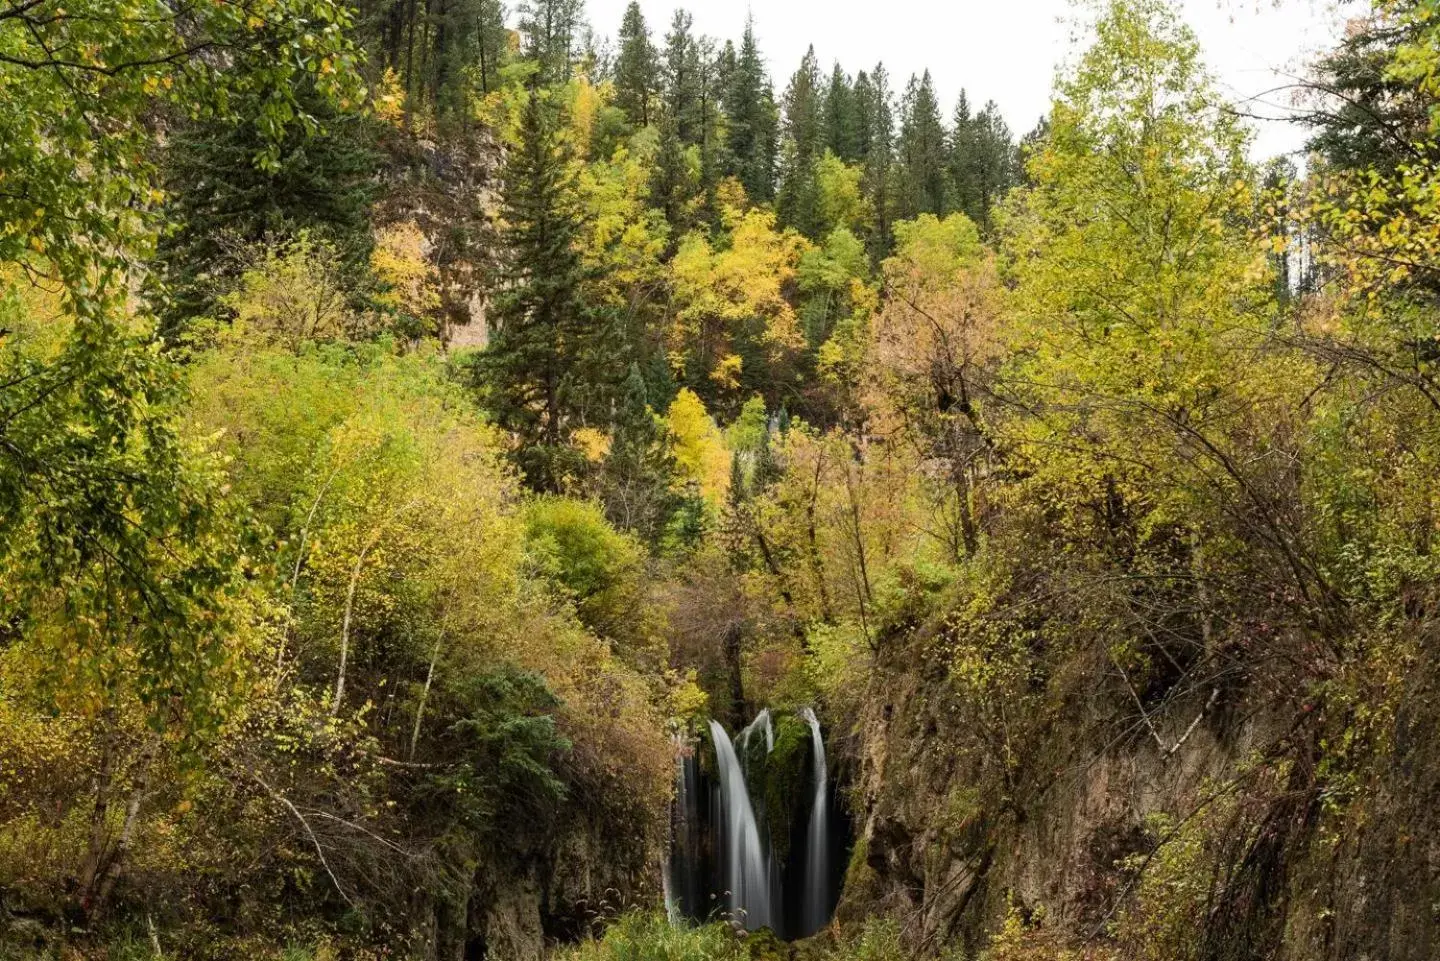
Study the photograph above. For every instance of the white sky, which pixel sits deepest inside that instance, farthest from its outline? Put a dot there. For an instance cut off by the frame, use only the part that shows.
(1005, 50)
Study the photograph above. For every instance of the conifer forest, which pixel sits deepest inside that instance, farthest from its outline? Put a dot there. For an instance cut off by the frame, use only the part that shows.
(479, 481)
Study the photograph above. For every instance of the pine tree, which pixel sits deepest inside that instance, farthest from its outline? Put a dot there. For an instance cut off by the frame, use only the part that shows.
(862, 100)
(725, 62)
(220, 199)
(671, 185)
(767, 470)
(842, 134)
(637, 479)
(711, 69)
(544, 353)
(467, 34)
(803, 142)
(738, 492)
(637, 68)
(995, 163)
(440, 48)
(879, 173)
(963, 161)
(552, 29)
(753, 121)
(683, 94)
(921, 151)
(492, 42)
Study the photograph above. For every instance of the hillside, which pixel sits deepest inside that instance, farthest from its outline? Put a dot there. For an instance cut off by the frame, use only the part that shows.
(470, 488)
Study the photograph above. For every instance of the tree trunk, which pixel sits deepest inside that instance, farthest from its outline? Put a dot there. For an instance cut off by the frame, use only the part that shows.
(104, 862)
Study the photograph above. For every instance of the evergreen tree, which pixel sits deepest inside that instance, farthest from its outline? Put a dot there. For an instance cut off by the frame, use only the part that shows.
(683, 92)
(671, 185)
(962, 161)
(862, 102)
(467, 34)
(544, 353)
(492, 42)
(712, 73)
(994, 169)
(637, 68)
(637, 478)
(738, 492)
(921, 151)
(1369, 118)
(842, 129)
(725, 62)
(752, 120)
(767, 470)
(437, 49)
(879, 173)
(803, 143)
(552, 30)
(221, 200)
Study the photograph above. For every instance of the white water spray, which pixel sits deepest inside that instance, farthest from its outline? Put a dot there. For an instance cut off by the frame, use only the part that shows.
(763, 721)
(747, 872)
(817, 847)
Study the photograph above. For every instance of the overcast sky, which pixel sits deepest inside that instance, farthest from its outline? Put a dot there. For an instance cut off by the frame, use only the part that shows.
(1005, 50)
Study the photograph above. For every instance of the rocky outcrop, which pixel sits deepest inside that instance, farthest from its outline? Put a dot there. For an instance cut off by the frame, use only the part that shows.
(1112, 819)
(450, 190)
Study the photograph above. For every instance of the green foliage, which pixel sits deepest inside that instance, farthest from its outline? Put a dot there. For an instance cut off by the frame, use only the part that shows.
(1104, 268)
(638, 478)
(637, 69)
(751, 429)
(600, 567)
(880, 177)
(840, 202)
(833, 278)
(845, 119)
(753, 120)
(82, 195)
(781, 778)
(551, 32)
(802, 144)
(122, 559)
(983, 161)
(293, 294)
(541, 368)
(222, 199)
(503, 755)
(639, 936)
(877, 940)
(920, 151)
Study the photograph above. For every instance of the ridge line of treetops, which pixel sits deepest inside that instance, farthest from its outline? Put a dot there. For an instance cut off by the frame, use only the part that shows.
(836, 159)
(719, 100)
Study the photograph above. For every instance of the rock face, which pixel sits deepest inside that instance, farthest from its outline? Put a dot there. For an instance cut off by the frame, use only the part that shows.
(450, 190)
(1196, 823)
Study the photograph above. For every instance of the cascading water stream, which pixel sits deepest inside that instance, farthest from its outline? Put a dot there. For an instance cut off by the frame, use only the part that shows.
(682, 879)
(729, 851)
(746, 867)
(763, 721)
(817, 846)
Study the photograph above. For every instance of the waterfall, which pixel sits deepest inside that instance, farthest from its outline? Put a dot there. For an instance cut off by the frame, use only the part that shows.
(747, 869)
(667, 891)
(764, 722)
(729, 851)
(817, 842)
(682, 876)
(674, 863)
